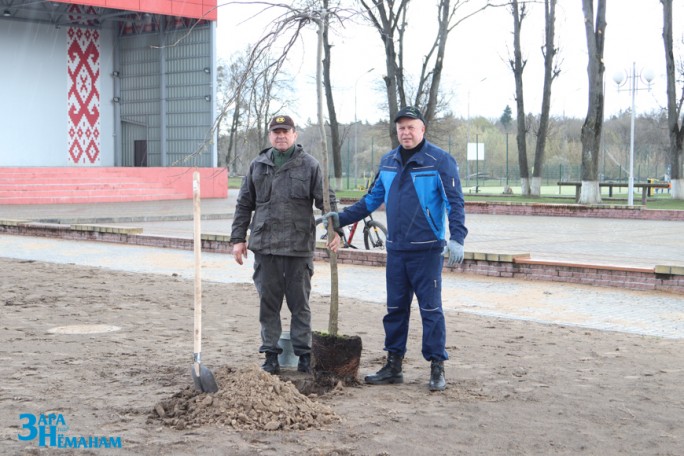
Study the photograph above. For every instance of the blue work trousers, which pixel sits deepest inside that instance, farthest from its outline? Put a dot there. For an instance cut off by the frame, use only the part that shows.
(419, 273)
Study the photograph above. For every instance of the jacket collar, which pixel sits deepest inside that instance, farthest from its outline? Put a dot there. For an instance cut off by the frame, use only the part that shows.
(419, 157)
(265, 157)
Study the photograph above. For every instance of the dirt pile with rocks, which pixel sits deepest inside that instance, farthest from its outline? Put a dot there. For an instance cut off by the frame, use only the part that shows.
(248, 399)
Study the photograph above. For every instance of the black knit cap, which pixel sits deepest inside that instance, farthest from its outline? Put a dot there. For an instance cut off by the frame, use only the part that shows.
(411, 112)
(281, 123)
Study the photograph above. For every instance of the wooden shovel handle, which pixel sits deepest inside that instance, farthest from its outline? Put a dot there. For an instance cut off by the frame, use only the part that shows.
(197, 246)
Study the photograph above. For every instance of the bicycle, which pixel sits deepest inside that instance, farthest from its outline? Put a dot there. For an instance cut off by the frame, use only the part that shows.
(374, 234)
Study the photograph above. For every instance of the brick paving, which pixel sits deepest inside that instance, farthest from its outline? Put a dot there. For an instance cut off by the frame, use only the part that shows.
(599, 241)
(626, 243)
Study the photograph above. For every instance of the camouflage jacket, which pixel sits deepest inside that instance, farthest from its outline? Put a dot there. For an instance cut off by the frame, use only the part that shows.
(277, 205)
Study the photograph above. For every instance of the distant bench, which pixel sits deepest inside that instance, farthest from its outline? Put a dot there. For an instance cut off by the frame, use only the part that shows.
(645, 188)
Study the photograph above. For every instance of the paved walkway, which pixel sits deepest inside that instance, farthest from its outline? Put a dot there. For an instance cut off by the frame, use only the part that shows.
(619, 242)
(614, 242)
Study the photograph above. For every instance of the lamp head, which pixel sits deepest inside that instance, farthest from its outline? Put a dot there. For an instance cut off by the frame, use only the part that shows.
(648, 75)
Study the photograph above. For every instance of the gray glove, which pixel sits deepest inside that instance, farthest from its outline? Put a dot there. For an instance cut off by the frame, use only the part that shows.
(336, 220)
(455, 251)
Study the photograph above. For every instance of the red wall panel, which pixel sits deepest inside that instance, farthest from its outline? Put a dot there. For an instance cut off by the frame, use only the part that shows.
(197, 9)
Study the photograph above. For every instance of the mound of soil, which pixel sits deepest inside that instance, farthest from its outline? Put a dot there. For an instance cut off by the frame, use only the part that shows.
(248, 399)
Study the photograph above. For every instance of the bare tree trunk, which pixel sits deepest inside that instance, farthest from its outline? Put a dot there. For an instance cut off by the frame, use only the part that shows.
(549, 75)
(676, 131)
(332, 114)
(518, 66)
(591, 129)
(442, 35)
(334, 278)
(387, 21)
(232, 135)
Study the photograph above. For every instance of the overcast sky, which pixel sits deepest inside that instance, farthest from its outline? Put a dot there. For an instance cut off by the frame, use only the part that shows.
(476, 76)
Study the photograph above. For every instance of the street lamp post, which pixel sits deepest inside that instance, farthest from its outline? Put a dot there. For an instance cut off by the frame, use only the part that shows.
(372, 157)
(621, 79)
(348, 162)
(507, 186)
(477, 163)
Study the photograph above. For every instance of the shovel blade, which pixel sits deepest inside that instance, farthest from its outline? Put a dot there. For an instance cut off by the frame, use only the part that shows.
(203, 378)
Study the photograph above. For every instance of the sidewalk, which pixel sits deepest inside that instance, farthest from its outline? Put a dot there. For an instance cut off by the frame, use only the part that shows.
(612, 242)
(610, 309)
(597, 241)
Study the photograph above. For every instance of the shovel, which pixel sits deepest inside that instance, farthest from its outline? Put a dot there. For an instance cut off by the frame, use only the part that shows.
(201, 375)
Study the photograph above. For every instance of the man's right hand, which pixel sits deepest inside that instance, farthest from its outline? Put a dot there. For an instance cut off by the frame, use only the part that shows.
(335, 217)
(239, 250)
(334, 245)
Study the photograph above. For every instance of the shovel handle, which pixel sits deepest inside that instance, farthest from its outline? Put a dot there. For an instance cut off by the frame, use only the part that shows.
(197, 247)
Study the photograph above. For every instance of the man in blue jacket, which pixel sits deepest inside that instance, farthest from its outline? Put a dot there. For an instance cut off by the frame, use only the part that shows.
(419, 184)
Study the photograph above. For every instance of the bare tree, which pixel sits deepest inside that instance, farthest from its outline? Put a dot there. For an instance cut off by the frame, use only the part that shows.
(335, 138)
(334, 276)
(249, 91)
(389, 17)
(291, 23)
(551, 71)
(591, 129)
(674, 107)
(518, 66)
(226, 79)
(263, 100)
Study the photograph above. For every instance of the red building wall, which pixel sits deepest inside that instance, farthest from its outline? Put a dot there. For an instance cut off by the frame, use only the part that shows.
(197, 9)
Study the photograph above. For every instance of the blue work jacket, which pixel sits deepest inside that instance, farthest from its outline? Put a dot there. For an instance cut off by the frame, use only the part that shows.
(419, 197)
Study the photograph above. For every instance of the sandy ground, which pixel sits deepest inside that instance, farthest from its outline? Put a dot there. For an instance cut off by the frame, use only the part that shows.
(514, 387)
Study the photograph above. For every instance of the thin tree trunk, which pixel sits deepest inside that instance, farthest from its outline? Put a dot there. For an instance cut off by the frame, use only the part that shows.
(332, 114)
(591, 129)
(675, 131)
(389, 19)
(232, 136)
(549, 76)
(442, 35)
(334, 278)
(518, 66)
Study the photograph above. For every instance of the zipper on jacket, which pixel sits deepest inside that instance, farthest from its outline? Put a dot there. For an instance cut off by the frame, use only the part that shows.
(434, 225)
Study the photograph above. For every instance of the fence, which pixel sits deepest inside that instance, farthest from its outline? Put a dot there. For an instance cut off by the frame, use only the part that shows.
(497, 176)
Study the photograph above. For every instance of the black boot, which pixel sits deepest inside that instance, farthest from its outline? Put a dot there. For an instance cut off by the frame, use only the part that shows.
(304, 364)
(390, 373)
(271, 364)
(437, 379)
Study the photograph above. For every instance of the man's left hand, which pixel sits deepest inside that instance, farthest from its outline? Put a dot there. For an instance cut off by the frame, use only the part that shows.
(455, 251)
